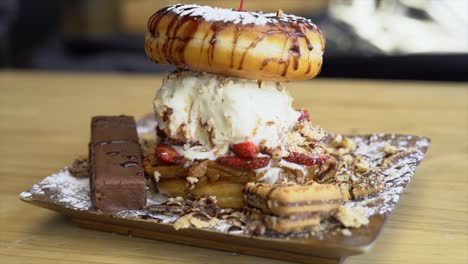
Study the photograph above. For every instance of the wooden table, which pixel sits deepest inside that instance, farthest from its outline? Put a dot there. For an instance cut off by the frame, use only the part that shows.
(44, 124)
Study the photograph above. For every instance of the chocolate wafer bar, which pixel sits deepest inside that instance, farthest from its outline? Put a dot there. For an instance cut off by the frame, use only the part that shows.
(117, 176)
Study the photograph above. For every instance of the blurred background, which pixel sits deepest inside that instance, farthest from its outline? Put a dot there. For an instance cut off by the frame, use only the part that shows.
(375, 39)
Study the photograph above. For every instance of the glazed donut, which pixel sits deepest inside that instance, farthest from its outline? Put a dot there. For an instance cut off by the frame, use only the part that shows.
(250, 45)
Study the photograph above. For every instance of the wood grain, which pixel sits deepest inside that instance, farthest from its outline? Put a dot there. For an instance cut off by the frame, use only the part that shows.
(44, 124)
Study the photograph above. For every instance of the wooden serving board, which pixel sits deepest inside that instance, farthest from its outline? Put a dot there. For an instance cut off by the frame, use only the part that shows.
(330, 249)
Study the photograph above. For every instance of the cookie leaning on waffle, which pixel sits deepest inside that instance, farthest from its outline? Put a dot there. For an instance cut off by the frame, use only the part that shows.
(225, 122)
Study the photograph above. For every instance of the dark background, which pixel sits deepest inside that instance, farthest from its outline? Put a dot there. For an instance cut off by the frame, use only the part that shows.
(107, 36)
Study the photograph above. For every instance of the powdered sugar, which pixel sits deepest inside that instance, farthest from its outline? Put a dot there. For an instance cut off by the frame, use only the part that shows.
(64, 189)
(209, 13)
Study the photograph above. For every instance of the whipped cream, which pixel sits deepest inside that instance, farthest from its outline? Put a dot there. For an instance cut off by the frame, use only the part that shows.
(215, 111)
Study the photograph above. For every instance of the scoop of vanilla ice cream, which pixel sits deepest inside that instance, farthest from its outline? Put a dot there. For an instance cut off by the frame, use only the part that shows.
(215, 111)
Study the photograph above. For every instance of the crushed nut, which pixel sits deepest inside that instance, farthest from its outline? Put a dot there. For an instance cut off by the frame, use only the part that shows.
(192, 180)
(256, 227)
(346, 190)
(311, 133)
(349, 144)
(336, 142)
(347, 158)
(294, 142)
(351, 216)
(361, 165)
(182, 223)
(303, 138)
(344, 143)
(346, 232)
(342, 178)
(342, 151)
(389, 149)
(198, 170)
(79, 168)
(330, 150)
(279, 13)
(354, 178)
(156, 176)
(278, 154)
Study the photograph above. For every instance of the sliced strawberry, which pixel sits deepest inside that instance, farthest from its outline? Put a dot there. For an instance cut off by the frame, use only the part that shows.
(305, 160)
(242, 163)
(305, 116)
(168, 155)
(246, 150)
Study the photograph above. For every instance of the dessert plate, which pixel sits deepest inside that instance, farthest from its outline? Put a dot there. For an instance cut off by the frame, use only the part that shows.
(69, 195)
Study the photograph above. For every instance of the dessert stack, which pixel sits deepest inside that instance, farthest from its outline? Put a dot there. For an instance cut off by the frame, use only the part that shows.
(226, 127)
(226, 124)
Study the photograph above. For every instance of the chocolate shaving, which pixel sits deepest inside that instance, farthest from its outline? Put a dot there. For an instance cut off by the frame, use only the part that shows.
(234, 228)
(201, 216)
(173, 206)
(206, 205)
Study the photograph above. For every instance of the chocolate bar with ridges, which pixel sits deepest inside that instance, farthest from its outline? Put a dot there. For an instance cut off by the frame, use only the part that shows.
(117, 176)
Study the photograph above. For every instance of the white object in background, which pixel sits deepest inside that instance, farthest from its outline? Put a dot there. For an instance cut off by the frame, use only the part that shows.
(387, 25)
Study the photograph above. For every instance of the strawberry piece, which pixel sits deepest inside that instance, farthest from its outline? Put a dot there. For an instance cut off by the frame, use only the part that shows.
(305, 160)
(168, 155)
(242, 163)
(246, 150)
(305, 116)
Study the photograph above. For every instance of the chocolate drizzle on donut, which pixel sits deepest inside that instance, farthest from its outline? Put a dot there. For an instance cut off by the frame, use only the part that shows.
(215, 28)
(186, 19)
(236, 38)
(187, 22)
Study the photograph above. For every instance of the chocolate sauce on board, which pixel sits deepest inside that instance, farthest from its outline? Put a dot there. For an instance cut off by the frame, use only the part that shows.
(185, 23)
